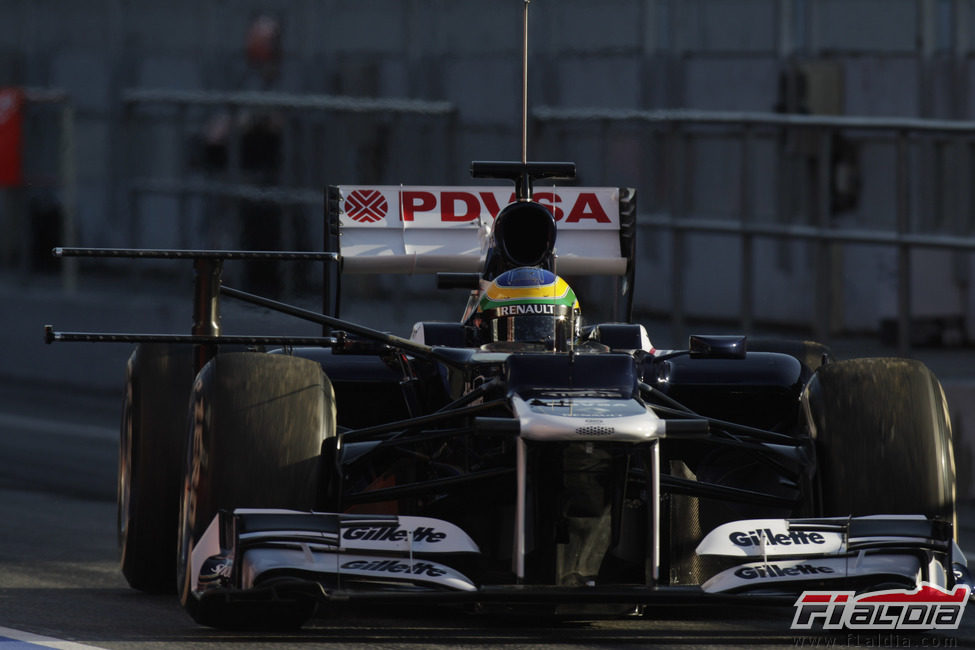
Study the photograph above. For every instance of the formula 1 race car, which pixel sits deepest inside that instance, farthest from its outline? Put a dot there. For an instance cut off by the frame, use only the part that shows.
(520, 456)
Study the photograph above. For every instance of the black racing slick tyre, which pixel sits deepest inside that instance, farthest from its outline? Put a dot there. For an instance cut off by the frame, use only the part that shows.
(257, 423)
(157, 389)
(883, 439)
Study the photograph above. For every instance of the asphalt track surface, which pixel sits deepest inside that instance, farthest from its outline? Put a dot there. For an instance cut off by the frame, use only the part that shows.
(59, 578)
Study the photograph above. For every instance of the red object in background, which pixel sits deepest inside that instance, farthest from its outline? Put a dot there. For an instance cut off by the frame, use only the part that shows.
(11, 136)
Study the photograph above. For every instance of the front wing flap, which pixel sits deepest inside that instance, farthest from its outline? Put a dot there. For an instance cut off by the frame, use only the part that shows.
(788, 555)
(248, 548)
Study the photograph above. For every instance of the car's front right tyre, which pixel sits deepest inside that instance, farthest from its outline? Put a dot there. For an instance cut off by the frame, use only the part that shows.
(883, 439)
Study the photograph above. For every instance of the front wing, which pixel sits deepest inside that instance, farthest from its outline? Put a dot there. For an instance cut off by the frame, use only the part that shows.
(251, 554)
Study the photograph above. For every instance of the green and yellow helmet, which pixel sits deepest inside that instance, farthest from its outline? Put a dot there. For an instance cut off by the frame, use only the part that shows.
(529, 305)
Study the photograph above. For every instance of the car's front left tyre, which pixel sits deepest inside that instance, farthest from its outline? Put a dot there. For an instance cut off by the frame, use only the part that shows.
(257, 423)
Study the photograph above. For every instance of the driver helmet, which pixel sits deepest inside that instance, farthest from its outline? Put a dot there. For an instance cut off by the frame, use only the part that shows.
(529, 305)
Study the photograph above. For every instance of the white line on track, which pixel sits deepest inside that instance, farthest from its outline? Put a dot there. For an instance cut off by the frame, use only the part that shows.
(10, 638)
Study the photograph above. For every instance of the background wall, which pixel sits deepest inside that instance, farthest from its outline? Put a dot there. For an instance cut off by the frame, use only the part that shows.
(906, 58)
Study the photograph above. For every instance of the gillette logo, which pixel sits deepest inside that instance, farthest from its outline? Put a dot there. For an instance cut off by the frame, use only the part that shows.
(395, 566)
(776, 571)
(756, 537)
(393, 534)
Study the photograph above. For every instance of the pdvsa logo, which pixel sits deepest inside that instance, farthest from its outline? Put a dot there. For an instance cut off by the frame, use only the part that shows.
(928, 607)
(464, 206)
(436, 206)
(366, 206)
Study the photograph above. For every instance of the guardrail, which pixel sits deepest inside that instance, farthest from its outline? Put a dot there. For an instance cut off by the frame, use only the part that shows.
(677, 127)
(287, 189)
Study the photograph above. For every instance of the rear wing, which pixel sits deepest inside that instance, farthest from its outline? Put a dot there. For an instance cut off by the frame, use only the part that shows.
(432, 229)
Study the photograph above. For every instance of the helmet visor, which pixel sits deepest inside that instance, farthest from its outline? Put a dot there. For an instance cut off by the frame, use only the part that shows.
(550, 326)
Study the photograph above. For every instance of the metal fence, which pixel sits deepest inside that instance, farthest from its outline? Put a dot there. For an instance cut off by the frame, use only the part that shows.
(910, 229)
(208, 166)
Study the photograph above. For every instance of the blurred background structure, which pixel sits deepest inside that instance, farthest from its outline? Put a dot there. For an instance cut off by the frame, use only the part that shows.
(799, 163)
